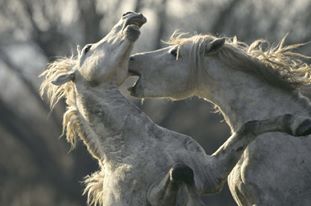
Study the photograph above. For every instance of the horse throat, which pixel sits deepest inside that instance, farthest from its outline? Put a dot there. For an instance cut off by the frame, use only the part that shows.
(104, 112)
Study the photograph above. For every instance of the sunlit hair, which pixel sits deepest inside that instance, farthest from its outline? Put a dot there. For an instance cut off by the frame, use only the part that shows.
(279, 65)
(56, 92)
(72, 125)
(94, 189)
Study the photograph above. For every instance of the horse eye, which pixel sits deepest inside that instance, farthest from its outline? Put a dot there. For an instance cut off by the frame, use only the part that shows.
(173, 52)
(87, 48)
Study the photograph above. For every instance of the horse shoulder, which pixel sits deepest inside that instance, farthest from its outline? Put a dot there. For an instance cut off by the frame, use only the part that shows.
(270, 154)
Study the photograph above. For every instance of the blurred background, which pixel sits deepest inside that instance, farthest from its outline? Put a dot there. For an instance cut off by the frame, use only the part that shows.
(36, 166)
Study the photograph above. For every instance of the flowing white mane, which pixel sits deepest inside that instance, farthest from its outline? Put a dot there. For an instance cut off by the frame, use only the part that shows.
(54, 93)
(72, 125)
(279, 65)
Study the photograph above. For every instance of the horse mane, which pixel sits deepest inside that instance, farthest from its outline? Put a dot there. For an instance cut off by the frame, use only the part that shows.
(72, 125)
(94, 189)
(279, 65)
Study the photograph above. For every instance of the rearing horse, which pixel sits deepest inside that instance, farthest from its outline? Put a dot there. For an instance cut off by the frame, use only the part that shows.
(245, 82)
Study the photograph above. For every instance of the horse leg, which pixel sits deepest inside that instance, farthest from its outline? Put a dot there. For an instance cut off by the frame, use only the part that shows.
(227, 156)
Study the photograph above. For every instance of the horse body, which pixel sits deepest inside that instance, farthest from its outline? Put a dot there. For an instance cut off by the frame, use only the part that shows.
(134, 153)
(272, 172)
(274, 163)
(245, 84)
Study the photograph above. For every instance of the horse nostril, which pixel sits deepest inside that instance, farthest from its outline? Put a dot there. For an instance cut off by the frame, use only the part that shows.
(131, 58)
(129, 12)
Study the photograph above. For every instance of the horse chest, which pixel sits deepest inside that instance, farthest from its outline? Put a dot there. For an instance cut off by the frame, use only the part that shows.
(123, 187)
(273, 159)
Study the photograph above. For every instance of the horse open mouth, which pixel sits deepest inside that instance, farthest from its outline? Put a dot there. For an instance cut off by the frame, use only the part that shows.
(132, 89)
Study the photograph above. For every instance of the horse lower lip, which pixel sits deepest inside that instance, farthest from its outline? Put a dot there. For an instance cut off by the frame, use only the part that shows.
(134, 73)
(132, 89)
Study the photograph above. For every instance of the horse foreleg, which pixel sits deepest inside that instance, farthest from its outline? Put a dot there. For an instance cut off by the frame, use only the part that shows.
(226, 157)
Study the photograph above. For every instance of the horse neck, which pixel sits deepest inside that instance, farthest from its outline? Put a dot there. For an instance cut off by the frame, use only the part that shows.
(242, 97)
(105, 114)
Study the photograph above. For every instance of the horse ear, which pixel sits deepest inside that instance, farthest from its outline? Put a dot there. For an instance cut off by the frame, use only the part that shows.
(214, 46)
(64, 78)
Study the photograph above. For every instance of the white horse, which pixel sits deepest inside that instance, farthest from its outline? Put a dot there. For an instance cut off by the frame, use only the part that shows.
(245, 82)
(140, 162)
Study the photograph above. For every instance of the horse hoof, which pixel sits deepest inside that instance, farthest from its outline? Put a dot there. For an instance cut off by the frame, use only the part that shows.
(304, 128)
(181, 173)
